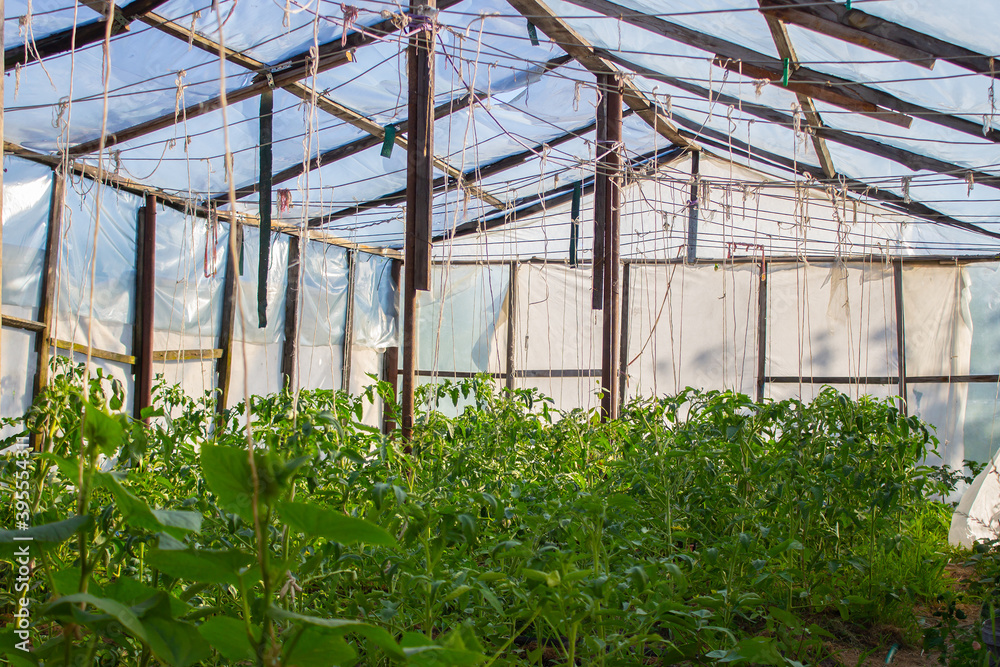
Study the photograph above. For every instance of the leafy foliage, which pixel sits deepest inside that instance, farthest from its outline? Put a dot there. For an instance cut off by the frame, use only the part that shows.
(696, 528)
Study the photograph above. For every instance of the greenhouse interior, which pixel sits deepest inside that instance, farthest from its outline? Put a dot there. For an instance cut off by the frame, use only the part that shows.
(510, 332)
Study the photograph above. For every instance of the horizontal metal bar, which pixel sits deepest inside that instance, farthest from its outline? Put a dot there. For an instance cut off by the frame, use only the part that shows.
(932, 260)
(831, 379)
(951, 379)
(843, 379)
(567, 373)
(538, 373)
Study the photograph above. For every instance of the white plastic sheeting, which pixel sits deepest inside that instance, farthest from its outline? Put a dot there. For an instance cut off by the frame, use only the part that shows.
(376, 303)
(17, 364)
(977, 516)
(483, 47)
(322, 315)
(99, 250)
(257, 350)
(692, 326)
(462, 319)
(741, 212)
(190, 272)
(27, 195)
(557, 330)
(831, 320)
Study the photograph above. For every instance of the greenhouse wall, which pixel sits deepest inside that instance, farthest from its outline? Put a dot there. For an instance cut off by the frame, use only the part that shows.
(920, 328)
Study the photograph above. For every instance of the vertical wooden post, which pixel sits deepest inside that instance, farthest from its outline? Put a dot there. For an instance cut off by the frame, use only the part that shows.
(289, 363)
(145, 281)
(390, 366)
(345, 377)
(419, 189)
(511, 319)
(692, 239)
(264, 203)
(609, 168)
(623, 355)
(50, 273)
(897, 283)
(224, 368)
(761, 329)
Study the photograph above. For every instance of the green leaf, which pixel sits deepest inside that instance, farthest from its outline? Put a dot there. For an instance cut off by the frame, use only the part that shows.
(228, 636)
(316, 648)
(227, 473)
(137, 513)
(334, 526)
(140, 597)
(181, 520)
(45, 536)
(176, 642)
(372, 633)
(101, 430)
(211, 567)
(66, 607)
(17, 657)
(422, 652)
(680, 581)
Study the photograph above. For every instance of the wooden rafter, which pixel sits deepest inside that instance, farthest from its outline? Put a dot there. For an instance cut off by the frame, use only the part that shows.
(834, 19)
(88, 33)
(815, 84)
(909, 159)
(179, 203)
(287, 75)
(837, 96)
(541, 16)
(726, 142)
(443, 110)
(531, 204)
(474, 174)
(783, 43)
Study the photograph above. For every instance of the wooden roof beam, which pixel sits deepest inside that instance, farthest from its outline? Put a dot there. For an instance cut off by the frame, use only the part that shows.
(535, 203)
(88, 33)
(783, 43)
(810, 81)
(834, 19)
(839, 96)
(331, 50)
(909, 159)
(475, 174)
(287, 75)
(180, 203)
(915, 208)
(443, 110)
(542, 17)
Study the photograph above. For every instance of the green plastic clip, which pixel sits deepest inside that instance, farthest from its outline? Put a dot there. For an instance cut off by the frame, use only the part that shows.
(532, 33)
(848, 3)
(788, 69)
(389, 141)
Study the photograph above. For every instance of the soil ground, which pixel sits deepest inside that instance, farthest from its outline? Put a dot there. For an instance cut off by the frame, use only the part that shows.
(869, 647)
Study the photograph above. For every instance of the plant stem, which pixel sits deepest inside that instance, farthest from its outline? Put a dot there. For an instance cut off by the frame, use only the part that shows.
(512, 638)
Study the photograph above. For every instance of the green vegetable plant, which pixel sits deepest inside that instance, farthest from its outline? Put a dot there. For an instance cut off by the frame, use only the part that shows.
(697, 528)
